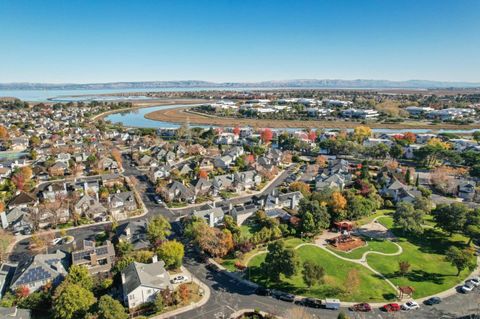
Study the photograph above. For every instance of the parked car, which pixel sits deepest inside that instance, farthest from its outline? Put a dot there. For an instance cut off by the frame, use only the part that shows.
(433, 301)
(309, 302)
(157, 199)
(363, 307)
(468, 287)
(179, 279)
(474, 281)
(332, 304)
(57, 241)
(287, 297)
(391, 307)
(410, 305)
(262, 291)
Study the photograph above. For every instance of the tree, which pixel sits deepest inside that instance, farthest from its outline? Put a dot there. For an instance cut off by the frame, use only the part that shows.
(26, 172)
(109, 308)
(158, 229)
(409, 219)
(301, 187)
(312, 136)
(280, 260)
(184, 292)
(459, 258)
(159, 303)
(451, 218)
(321, 161)
(203, 174)
(311, 211)
(79, 275)
(312, 273)
(266, 135)
(72, 301)
(424, 204)
(360, 133)
(404, 267)
(409, 137)
(338, 202)
(472, 226)
(236, 130)
(3, 132)
(171, 252)
(117, 156)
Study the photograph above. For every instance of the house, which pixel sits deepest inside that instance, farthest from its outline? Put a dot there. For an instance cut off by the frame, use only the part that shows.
(376, 141)
(135, 233)
(54, 191)
(243, 212)
(17, 219)
(40, 270)
(142, 282)
(19, 143)
(58, 169)
(108, 164)
(246, 180)
(160, 172)
(212, 215)
(223, 162)
(400, 192)
(90, 207)
(179, 192)
(409, 150)
(466, 190)
(280, 200)
(97, 259)
(23, 199)
(222, 182)
(333, 181)
(202, 186)
(206, 165)
(121, 203)
(14, 313)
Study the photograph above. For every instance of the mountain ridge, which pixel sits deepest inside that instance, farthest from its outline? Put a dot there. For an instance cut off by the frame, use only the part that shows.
(296, 83)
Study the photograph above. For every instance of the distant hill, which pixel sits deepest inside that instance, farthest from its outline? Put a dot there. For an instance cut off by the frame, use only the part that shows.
(305, 83)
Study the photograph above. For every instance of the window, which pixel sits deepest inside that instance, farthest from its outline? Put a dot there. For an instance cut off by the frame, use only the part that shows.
(131, 297)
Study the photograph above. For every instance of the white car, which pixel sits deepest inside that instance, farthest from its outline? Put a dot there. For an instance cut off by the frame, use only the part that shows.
(179, 279)
(474, 281)
(468, 287)
(57, 241)
(410, 305)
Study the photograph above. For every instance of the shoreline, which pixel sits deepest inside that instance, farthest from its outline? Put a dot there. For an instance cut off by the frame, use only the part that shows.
(141, 105)
(180, 115)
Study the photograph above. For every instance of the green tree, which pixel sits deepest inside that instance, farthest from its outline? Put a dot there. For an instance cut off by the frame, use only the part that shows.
(409, 219)
(451, 218)
(171, 252)
(312, 273)
(396, 151)
(424, 204)
(280, 260)
(79, 275)
(158, 229)
(308, 225)
(472, 226)
(109, 308)
(321, 217)
(72, 301)
(459, 258)
(159, 303)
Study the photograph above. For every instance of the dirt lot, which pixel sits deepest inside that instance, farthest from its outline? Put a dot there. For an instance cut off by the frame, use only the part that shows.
(180, 115)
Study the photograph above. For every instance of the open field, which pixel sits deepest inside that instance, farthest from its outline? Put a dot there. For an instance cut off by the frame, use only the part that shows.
(180, 115)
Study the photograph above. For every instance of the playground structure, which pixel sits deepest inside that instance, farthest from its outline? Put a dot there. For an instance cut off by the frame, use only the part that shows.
(345, 241)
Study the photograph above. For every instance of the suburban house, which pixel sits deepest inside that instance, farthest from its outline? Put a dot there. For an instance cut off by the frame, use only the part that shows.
(41, 269)
(242, 212)
(212, 215)
(96, 259)
(466, 190)
(141, 282)
(179, 192)
(6, 274)
(121, 203)
(89, 206)
(135, 233)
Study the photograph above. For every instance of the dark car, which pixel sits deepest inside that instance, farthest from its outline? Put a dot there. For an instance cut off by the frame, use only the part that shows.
(287, 297)
(362, 307)
(262, 291)
(432, 301)
(309, 302)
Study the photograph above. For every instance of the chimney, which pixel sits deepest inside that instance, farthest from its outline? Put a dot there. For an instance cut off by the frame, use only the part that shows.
(123, 278)
(154, 258)
(93, 259)
(128, 232)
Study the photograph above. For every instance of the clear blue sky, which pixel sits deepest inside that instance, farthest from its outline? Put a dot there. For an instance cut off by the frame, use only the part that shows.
(98, 41)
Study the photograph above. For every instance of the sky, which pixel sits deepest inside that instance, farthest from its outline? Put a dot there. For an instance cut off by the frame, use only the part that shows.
(85, 41)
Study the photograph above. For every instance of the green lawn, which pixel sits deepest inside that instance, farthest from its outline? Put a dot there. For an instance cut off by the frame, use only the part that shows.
(368, 219)
(371, 288)
(383, 246)
(429, 272)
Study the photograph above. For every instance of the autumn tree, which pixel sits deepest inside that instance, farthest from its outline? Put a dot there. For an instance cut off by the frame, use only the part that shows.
(236, 130)
(312, 136)
(203, 174)
(360, 133)
(266, 135)
(184, 292)
(338, 202)
(3, 132)
(321, 161)
(117, 156)
(158, 229)
(171, 252)
(404, 267)
(301, 187)
(410, 137)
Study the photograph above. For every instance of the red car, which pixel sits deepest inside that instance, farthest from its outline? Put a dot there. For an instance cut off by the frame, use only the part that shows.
(391, 307)
(363, 307)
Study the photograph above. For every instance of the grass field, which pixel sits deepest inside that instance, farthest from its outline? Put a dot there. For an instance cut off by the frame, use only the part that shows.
(429, 272)
(370, 288)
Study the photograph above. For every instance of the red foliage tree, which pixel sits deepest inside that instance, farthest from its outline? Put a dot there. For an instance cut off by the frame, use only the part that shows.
(19, 181)
(203, 174)
(410, 137)
(22, 292)
(266, 135)
(236, 130)
(312, 136)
